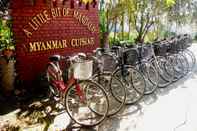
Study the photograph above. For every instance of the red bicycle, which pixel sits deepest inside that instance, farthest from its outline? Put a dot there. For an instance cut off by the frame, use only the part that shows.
(85, 100)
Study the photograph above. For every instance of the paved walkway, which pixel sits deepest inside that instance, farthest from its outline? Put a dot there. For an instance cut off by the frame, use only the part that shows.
(171, 109)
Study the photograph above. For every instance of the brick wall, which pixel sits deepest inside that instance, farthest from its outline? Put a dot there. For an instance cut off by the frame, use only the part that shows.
(30, 64)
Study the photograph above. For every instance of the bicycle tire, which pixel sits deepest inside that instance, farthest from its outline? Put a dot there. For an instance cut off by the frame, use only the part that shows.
(134, 83)
(115, 90)
(151, 77)
(190, 55)
(94, 119)
(178, 66)
(185, 63)
(159, 64)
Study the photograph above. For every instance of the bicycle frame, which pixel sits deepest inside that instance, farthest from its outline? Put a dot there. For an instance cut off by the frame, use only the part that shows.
(62, 87)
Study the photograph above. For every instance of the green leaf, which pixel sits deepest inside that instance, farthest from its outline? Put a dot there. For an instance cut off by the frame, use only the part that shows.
(170, 3)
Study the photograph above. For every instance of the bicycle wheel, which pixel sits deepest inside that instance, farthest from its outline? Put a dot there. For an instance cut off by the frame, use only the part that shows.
(191, 58)
(115, 90)
(150, 75)
(185, 63)
(82, 111)
(133, 81)
(162, 66)
(177, 66)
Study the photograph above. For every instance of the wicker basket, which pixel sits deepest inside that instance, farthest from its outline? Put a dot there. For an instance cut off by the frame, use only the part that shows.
(145, 52)
(83, 70)
(174, 47)
(109, 63)
(130, 56)
(160, 49)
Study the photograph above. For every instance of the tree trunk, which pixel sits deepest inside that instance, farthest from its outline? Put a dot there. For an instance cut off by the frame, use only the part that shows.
(7, 75)
(122, 24)
(129, 29)
(115, 30)
(106, 40)
(139, 38)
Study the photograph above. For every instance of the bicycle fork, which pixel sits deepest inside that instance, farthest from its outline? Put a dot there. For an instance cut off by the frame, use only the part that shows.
(80, 93)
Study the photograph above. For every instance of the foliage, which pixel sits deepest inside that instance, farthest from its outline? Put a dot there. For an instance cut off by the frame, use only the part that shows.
(118, 39)
(181, 12)
(6, 41)
(113, 41)
(105, 20)
(169, 33)
(146, 18)
(194, 11)
(170, 3)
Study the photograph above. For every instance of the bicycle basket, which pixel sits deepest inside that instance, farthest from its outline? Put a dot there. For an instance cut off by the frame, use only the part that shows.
(173, 47)
(150, 51)
(181, 44)
(187, 43)
(109, 63)
(83, 70)
(130, 56)
(145, 52)
(160, 49)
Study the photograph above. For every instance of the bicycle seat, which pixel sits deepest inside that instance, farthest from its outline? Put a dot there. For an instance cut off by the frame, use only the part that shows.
(116, 48)
(55, 58)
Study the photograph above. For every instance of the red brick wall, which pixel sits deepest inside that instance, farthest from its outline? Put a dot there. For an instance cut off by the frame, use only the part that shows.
(30, 64)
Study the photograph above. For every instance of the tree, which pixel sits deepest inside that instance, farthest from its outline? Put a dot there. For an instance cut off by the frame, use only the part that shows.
(108, 18)
(180, 13)
(144, 16)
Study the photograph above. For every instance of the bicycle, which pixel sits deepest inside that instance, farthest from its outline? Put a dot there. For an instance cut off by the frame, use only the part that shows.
(142, 62)
(113, 86)
(161, 64)
(81, 96)
(178, 60)
(131, 78)
(184, 43)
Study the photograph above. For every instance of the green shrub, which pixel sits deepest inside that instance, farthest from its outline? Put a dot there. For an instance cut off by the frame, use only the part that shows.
(6, 35)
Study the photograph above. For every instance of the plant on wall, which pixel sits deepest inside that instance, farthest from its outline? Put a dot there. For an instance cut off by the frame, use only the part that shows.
(6, 41)
(7, 62)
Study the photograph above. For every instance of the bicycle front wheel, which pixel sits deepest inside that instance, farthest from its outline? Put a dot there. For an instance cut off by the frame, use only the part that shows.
(165, 70)
(133, 81)
(82, 107)
(150, 75)
(191, 58)
(115, 90)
